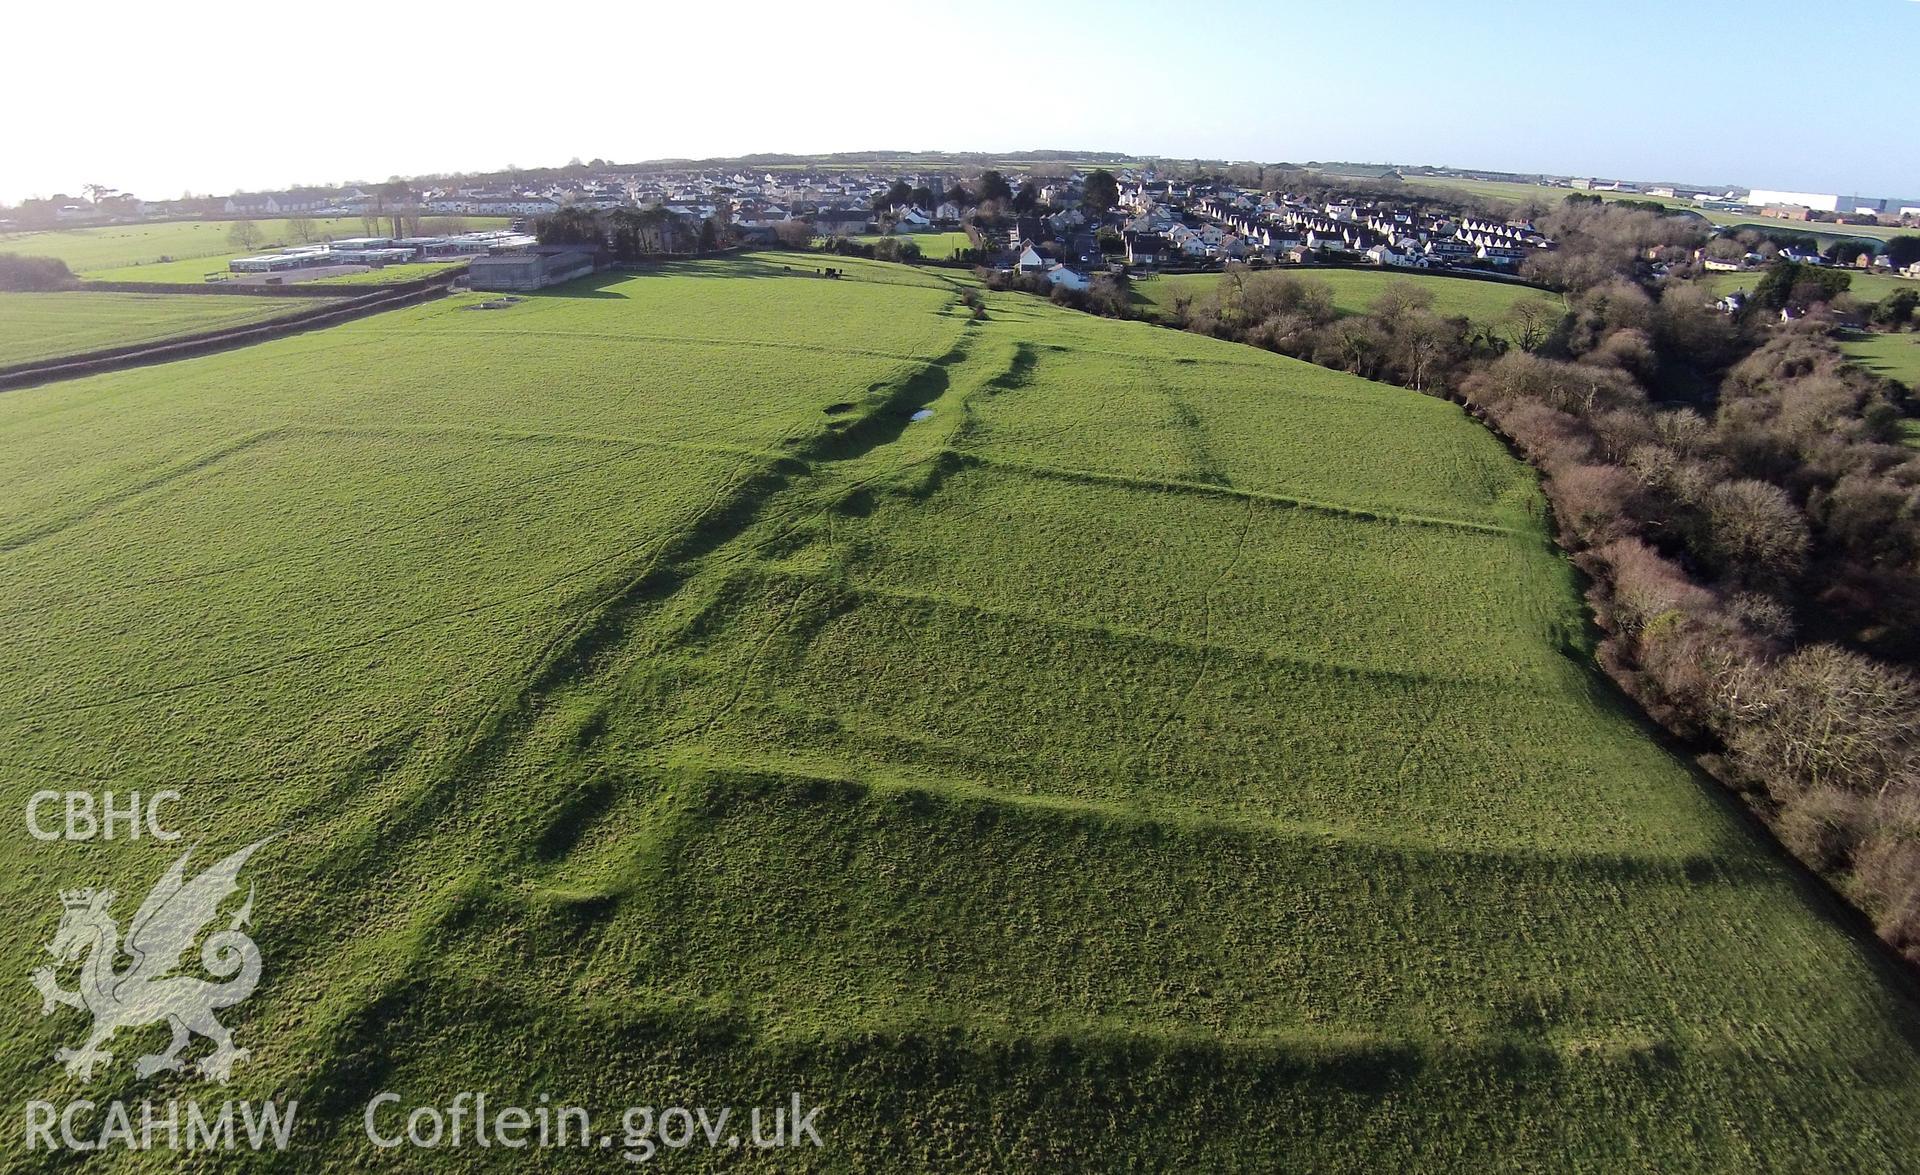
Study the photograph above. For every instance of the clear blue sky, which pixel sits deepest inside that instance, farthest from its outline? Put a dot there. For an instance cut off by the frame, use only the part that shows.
(1814, 96)
(1818, 96)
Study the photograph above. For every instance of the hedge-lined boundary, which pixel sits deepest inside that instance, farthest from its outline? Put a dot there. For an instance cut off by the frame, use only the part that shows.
(141, 355)
(294, 290)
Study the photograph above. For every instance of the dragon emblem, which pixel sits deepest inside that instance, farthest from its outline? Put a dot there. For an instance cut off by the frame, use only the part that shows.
(150, 988)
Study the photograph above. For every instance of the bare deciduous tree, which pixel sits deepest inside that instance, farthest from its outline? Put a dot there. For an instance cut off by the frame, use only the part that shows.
(1530, 320)
(244, 234)
(1823, 717)
(1754, 527)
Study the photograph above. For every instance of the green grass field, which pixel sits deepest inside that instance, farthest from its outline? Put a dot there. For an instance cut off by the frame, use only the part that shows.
(43, 326)
(1894, 355)
(1499, 190)
(100, 252)
(934, 246)
(1163, 754)
(196, 271)
(1354, 290)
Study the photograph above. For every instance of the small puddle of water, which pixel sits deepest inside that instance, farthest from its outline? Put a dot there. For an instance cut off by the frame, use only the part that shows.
(923, 414)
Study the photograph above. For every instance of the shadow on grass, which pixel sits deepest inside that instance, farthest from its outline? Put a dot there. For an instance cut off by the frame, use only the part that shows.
(594, 286)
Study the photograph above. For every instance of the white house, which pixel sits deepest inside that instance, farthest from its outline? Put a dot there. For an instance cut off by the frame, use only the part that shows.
(262, 204)
(1031, 261)
(1060, 275)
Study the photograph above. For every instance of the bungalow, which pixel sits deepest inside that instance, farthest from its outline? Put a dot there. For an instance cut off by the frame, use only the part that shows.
(1031, 259)
(948, 210)
(1060, 275)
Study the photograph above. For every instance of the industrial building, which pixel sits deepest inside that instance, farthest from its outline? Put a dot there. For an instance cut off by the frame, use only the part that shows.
(378, 251)
(536, 269)
(1816, 201)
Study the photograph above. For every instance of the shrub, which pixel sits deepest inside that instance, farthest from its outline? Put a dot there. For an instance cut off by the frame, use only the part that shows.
(19, 272)
(1822, 827)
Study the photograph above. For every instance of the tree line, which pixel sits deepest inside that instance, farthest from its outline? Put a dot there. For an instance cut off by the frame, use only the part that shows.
(628, 234)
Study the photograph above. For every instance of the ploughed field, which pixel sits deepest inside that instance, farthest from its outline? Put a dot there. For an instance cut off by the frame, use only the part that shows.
(1163, 753)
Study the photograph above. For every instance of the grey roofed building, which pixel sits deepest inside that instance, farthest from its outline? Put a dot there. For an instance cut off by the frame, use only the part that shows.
(530, 270)
(829, 221)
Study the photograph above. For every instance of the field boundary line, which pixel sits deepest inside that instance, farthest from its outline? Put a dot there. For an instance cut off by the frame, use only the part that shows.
(1175, 644)
(1692, 869)
(186, 468)
(1135, 481)
(208, 342)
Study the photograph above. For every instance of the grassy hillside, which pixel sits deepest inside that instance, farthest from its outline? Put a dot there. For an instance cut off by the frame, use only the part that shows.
(41, 326)
(1354, 290)
(95, 251)
(1160, 754)
(1893, 355)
